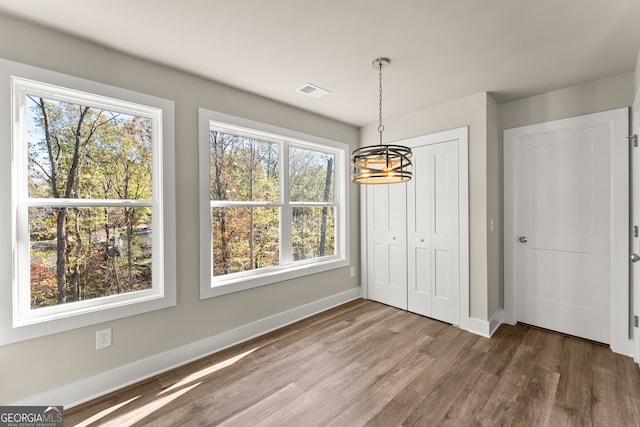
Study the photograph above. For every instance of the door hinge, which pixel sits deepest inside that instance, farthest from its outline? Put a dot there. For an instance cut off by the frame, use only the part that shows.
(635, 231)
(635, 321)
(633, 139)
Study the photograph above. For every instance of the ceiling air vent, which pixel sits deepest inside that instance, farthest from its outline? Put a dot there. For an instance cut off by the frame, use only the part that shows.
(313, 91)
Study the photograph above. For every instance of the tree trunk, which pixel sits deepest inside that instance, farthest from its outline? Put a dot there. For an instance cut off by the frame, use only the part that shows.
(107, 234)
(325, 210)
(129, 215)
(75, 277)
(218, 159)
(61, 238)
(224, 244)
(61, 216)
(252, 243)
(75, 282)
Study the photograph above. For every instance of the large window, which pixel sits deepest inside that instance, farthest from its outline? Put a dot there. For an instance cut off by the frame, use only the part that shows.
(88, 185)
(273, 204)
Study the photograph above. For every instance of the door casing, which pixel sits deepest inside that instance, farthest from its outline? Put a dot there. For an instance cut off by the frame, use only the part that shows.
(635, 247)
(619, 274)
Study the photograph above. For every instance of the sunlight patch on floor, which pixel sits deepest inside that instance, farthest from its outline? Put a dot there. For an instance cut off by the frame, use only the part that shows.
(138, 414)
(104, 413)
(204, 372)
(135, 414)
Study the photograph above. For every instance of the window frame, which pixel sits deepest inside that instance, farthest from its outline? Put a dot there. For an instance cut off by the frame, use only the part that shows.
(212, 286)
(24, 322)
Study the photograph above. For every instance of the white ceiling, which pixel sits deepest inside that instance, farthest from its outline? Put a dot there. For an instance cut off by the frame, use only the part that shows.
(440, 49)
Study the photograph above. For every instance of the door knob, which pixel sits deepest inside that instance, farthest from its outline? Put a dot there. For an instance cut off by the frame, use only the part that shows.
(635, 257)
(522, 239)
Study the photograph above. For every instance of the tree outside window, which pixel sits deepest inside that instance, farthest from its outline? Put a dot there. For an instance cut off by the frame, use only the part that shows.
(80, 158)
(261, 218)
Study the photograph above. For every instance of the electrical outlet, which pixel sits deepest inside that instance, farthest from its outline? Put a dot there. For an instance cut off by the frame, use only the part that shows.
(353, 272)
(103, 338)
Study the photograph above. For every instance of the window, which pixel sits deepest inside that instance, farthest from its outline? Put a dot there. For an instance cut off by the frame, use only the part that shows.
(273, 204)
(88, 186)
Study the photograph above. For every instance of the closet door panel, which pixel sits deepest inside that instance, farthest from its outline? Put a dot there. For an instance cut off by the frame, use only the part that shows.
(419, 219)
(377, 271)
(444, 238)
(377, 258)
(387, 244)
(397, 244)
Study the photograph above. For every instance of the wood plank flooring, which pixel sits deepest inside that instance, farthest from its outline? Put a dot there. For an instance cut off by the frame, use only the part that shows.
(367, 364)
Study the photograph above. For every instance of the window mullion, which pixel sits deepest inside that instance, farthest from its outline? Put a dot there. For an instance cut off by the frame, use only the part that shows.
(53, 202)
(285, 211)
(21, 292)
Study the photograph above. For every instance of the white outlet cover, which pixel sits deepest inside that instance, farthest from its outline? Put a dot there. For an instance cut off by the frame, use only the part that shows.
(103, 338)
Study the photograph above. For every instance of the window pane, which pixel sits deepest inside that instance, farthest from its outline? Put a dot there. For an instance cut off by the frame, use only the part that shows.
(245, 238)
(84, 253)
(313, 232)
(243, 169)
(82, 152)
(311, 175)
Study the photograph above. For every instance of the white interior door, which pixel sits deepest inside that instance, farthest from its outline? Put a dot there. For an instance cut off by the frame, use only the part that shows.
(566, 225)
(387, 244)
(564, 215)
(433, 232)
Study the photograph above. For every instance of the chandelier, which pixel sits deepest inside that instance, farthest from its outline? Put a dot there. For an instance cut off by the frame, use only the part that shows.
(382, 163)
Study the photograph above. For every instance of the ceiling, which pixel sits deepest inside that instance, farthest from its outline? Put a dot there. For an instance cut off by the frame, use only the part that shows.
(440, 50)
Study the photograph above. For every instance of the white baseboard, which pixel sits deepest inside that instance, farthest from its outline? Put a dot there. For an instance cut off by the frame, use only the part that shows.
(73, 394)
(483, 327)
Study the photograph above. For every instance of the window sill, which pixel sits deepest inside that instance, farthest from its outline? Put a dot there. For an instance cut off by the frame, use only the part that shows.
(216, 287)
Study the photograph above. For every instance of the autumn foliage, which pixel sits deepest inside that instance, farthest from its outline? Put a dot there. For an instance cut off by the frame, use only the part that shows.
(83, 162)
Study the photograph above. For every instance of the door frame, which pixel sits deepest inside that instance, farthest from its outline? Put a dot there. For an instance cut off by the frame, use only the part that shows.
(619, 274)
(462, 136)
(635, 247)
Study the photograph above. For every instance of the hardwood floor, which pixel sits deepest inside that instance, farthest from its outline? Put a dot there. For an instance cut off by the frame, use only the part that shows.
(365, 363)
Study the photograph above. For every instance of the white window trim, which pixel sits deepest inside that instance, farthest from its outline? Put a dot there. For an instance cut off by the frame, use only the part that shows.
(212, 287)
(17, 321)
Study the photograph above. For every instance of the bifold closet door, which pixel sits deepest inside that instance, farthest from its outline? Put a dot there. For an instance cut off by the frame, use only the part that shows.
(433, 233)
(387, 244)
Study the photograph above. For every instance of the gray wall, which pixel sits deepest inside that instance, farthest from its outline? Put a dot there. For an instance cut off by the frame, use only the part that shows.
(37, 365)
(637, 75)
(494, 211)
(600, 95)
